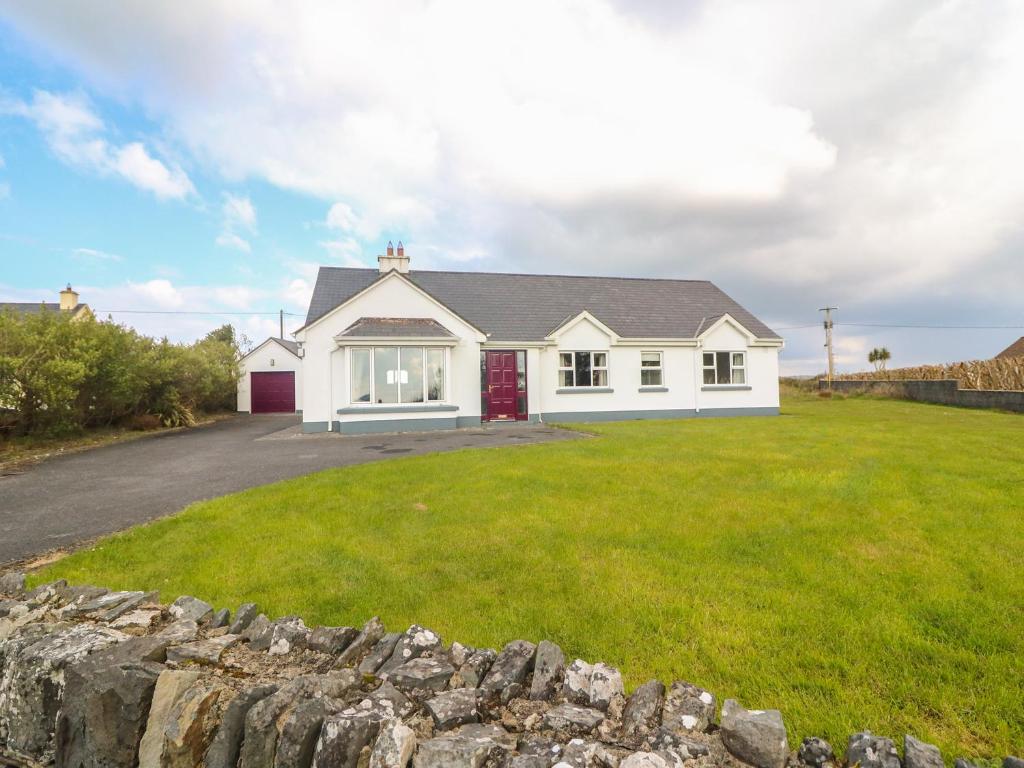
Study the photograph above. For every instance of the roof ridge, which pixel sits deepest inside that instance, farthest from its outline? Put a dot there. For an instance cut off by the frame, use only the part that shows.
(413, 273)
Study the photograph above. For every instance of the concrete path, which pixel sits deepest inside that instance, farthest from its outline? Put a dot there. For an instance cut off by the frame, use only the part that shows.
(71, 499)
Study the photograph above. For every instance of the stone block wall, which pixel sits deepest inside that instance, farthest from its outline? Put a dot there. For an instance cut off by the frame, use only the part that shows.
(941, 391)
(90, 677)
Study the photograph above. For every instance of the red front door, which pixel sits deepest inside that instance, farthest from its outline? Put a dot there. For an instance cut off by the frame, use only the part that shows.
(501, 385)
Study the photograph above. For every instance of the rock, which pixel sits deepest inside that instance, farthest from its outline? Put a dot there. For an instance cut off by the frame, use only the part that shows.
(331, 640)
(103, 606)
(141, 618)
(206, 651)
(188, 607)
(219, 619)
(13, 584)
(6, 604)
(170, 686)
(573, 718)
(918, 754)
(86, 733)
(548, 671)
(512, 665)
(259, 633)
(243, 618)
(372, 631)
(226, 743)
(643, 710)
(342, 739)
(46, 593)
(459, 654)
(529, 761)
(388, 702)
(593, 685)
(815, 752)
(688, 708)
(474, 669)
(179, 632)
(288, 633)
(422, 674)
(667, 740)
(453, 708)
(32, 664)
(190, 726)
(962, 762)
(1013, 762)
(871, 751)
(130, 602)
(381, 652)
(463, 749)
(644, 760)
(414, 643)
(300, 732)
(394, 746)
(755, 736)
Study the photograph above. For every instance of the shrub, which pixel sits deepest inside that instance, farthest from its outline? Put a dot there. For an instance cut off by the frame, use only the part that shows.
(1005, 373)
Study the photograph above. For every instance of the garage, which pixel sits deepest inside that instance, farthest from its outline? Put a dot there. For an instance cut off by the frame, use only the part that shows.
(273, 392)
(270, 378)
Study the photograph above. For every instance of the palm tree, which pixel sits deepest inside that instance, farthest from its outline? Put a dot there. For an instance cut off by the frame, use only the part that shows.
(878, 357)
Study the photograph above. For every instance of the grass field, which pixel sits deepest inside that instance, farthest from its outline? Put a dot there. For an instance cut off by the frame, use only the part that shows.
(855, 563)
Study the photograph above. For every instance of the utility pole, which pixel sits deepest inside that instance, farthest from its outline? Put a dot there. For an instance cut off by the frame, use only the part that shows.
(828, 342)
(281, 316)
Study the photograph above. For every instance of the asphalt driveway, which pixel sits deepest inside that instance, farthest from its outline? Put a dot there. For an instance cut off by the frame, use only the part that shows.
(71, 499)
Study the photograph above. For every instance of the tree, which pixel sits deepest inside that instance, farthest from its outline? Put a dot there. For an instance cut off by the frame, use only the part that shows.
(878, 357)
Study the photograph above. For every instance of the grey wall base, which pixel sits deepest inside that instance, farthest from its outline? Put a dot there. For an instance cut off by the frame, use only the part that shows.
(670, 413)
(940, 391)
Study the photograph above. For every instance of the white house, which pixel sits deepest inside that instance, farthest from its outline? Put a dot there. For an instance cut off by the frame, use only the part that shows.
(270, 378)
(395, 349)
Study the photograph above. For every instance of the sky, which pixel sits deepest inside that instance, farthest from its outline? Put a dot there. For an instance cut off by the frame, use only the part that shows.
(202, 159)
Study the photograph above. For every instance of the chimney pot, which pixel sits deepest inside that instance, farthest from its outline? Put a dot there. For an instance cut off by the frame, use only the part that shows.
(401, 249)
(391, 249)
(398, 262)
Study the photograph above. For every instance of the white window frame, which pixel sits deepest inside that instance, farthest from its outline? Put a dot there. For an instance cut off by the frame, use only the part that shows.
(733, 368)
(372, 348)
(593, 368)
(660, 368)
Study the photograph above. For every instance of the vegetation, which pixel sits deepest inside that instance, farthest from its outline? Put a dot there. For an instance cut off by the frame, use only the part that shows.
(1006, 373)
(878, 357)
(855, 563)
(59, 376)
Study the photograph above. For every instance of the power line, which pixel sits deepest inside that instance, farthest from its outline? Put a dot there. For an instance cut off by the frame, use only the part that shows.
(186, 312)
(909, 325)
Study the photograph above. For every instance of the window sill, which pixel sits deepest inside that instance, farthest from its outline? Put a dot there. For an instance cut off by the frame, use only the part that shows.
(409, 408)
(653, 389)
(584, 390)
(725, 387)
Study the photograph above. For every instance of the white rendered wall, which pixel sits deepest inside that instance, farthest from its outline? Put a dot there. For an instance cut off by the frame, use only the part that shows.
(259, 361)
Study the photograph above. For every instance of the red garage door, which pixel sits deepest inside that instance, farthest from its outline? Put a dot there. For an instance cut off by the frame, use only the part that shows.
(273, 392)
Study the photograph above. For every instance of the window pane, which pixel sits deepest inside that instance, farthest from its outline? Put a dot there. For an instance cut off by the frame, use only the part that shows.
(722, 364)
(565, 379)
(385, 374)
(739, 376)
(435, 374)
(600, 359)
(737, 359)
(709, 359)
(521, 405)
(483, 372)
(521, 370)
(709, 375)
(565, 360)
(410, 375)
(582, 369)
(650, 359)
(650, 378)
(360, 376)
(600, 378)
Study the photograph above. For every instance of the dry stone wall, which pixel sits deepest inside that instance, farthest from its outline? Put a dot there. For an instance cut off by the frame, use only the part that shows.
(90, 677)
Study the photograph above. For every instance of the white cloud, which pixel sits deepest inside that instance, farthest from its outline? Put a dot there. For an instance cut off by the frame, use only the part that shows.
(239, 211)
(299, 292)
(75, 134)
(158, 294)
(231, 240)
(91, 254)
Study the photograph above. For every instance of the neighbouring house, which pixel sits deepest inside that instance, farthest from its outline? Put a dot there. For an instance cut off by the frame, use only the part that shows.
(395, 349)
(270, 379)
(68, 303)
(1014, 350)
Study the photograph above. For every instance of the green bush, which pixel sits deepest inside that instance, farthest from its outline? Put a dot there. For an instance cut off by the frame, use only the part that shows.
(59, 376)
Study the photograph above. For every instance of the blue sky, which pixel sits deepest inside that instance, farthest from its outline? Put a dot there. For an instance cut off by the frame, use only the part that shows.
(207, 157)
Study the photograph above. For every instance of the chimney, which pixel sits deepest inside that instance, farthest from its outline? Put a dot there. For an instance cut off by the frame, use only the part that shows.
(68, 299)
(397, 261)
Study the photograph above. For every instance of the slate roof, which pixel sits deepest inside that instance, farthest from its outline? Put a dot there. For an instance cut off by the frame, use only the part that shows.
(1014, 350)
(31, 307)
(392, 327)
(291, 346)
(512, 307)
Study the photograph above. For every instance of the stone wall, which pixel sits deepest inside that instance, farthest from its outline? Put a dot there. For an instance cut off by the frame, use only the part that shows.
(96, 678)
(941, 391)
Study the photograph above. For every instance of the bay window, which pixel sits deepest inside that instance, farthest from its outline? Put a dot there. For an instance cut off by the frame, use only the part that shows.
(582, 369)
(393, 375)
(725, 368)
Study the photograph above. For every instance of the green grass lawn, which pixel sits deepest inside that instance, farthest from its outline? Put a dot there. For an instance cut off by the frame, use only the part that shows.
(855, 563)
